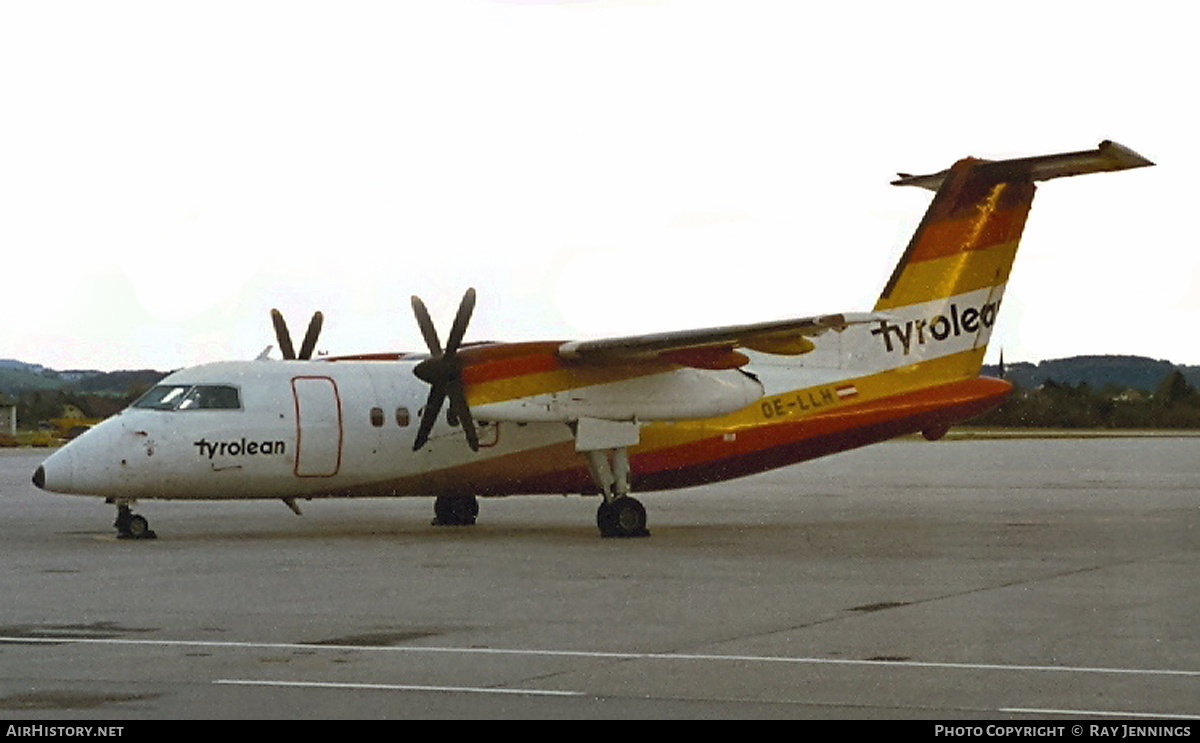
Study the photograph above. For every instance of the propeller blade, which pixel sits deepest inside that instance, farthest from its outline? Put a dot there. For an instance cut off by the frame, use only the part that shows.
(310, 337)
(459, 328)
(426, 325)
(462, 414)
(433, 407)
(442, 371)
(282, 335)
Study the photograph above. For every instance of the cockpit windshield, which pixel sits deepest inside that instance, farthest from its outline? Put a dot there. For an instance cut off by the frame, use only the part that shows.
(191, 397)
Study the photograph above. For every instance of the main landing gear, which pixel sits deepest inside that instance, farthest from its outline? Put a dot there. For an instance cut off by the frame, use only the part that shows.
(130, 525)
(622, 517)
(619, 515)
(455, 510)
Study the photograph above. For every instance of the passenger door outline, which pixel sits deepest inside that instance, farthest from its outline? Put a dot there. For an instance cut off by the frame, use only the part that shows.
(319, 430)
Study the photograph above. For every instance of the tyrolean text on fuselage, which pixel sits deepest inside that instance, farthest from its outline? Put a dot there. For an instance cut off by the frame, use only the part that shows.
(238, 448)
(937, 328)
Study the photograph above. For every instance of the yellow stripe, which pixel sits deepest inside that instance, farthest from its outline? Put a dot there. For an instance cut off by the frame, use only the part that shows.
(928, 373)
(951, 275)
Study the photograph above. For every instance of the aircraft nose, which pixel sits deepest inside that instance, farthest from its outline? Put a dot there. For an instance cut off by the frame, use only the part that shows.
(57, 473)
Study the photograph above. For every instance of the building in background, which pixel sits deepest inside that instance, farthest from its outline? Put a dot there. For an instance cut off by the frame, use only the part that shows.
(8, 417)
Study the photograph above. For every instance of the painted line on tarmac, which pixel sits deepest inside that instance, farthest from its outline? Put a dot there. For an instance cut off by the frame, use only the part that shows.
(400, 687)
(1093, 713)
(611, 655)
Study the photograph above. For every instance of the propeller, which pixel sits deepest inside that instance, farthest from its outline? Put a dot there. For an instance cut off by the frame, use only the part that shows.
(443, 372)
(285, 338)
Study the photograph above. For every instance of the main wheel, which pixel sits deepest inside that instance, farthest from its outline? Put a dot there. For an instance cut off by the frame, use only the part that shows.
(624, 517)
(455, 510)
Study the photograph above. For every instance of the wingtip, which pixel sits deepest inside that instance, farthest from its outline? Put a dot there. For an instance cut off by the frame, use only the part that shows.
(1123, 154)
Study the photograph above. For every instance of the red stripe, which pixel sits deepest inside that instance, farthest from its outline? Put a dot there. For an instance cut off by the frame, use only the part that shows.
(716, 458)
(770, 446)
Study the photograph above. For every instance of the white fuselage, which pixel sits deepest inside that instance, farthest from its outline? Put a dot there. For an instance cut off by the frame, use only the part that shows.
(299, 429)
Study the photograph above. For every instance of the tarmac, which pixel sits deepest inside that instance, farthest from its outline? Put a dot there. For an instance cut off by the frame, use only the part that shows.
(960, 580)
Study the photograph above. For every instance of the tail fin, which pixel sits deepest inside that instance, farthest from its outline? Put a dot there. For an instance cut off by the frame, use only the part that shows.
(945, 293)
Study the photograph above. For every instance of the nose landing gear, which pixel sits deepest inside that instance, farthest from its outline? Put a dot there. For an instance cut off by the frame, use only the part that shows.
(130, 525)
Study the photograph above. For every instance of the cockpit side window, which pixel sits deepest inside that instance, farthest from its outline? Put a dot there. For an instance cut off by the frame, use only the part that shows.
(191, 397)
(163, 397)
(212, 397)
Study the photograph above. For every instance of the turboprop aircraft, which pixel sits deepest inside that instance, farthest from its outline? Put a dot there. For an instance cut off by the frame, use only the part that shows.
(597, 417)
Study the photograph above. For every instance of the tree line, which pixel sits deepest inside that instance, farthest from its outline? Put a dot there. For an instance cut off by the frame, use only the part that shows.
(35, 407)
(1174, 404)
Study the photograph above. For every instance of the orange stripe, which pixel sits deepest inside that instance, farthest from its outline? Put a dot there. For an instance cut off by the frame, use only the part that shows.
(997, 217)
(706, 357)
(949, 237)
(970, 213)
(504, 360)
(509, 371)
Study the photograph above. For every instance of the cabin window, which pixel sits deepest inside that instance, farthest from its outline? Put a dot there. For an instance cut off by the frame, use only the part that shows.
(402, 417)
(377, 417)
(191, 397)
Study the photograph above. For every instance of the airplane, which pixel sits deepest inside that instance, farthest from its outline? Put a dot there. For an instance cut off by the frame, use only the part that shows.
(593, 417)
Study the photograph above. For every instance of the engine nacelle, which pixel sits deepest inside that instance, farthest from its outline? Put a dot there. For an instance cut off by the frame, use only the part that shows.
(680, 394)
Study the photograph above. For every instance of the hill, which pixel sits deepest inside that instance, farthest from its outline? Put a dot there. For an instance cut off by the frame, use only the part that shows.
(1098, 372)
(42, 395)
(1099, 392)
(18, 378)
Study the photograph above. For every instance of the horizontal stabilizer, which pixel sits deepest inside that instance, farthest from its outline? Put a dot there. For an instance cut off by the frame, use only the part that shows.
(1108, 156)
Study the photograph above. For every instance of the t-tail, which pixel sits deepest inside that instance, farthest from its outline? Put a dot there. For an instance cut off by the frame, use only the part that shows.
(945, 294)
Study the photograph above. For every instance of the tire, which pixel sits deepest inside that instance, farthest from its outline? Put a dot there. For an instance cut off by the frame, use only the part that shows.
(624, 517)
(136, 527)
(455, 510)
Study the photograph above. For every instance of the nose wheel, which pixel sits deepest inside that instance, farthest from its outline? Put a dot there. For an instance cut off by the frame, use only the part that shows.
(132, 526)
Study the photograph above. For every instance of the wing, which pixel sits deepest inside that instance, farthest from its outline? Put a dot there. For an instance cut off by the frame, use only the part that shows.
(713, 348)
(660, 376)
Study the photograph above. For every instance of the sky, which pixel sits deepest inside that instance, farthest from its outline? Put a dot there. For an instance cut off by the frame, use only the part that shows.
(170, 171)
